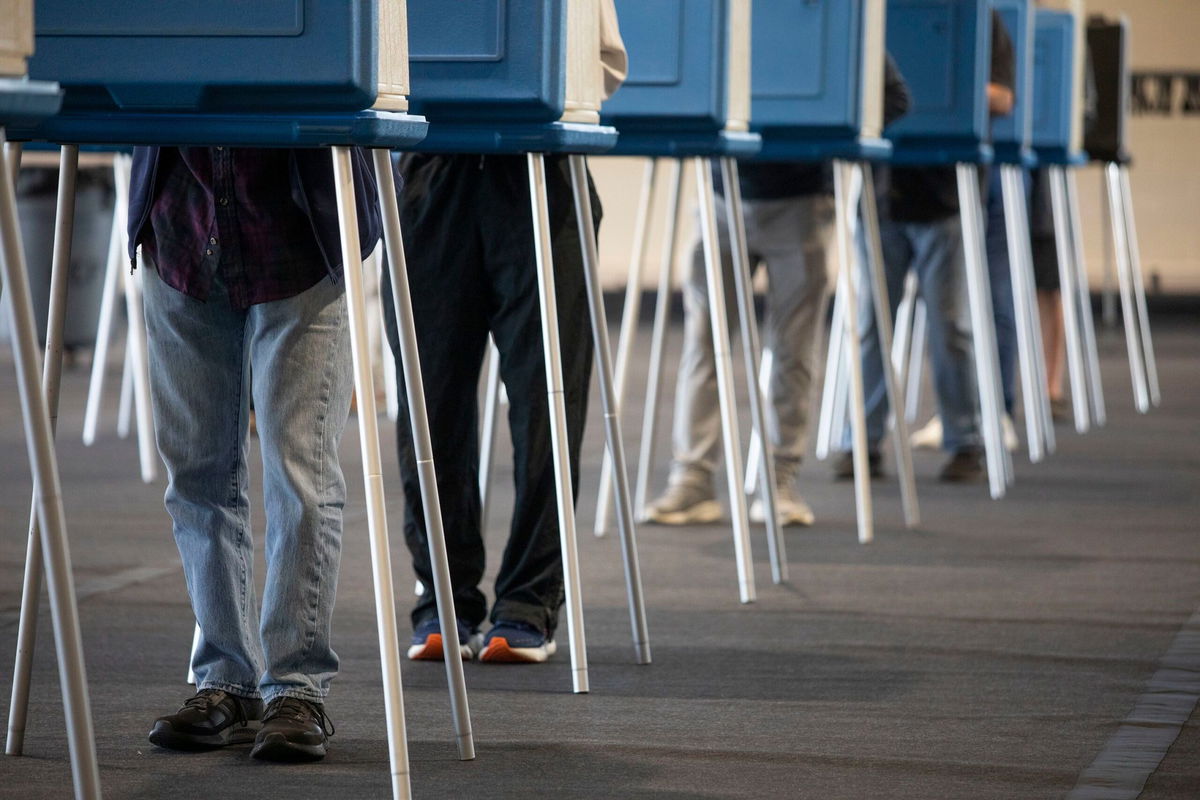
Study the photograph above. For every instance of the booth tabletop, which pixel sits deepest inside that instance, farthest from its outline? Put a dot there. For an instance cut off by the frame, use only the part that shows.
(686, 143)
(784, 147)
(516, 138)
(25, 102)
(366, 128)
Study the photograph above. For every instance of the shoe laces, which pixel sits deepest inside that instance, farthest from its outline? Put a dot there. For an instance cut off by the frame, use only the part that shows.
(299, 710)
(207, 698)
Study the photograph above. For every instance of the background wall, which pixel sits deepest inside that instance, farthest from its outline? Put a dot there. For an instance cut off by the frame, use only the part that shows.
(1165, 175)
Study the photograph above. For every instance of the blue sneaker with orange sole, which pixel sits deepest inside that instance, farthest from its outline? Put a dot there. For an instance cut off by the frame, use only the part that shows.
(516, 643)
(427, 642)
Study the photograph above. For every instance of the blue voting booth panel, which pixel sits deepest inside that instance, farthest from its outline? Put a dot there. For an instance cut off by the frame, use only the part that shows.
(216, 55)
(678, 64)
(1011, 133)
(492, 77)
(474, 60)
(806, 70)
(943, 49)
(1054, 91)
(808, 80)
(676, 99)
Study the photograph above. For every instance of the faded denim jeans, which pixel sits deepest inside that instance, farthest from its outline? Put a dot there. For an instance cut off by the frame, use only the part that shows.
(200, 376)
(934, 250)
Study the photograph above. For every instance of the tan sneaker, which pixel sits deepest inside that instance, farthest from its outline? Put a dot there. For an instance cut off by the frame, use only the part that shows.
(684, 504)
(793, 510)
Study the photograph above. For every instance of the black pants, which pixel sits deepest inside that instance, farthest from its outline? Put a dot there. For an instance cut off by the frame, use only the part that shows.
(468, 236)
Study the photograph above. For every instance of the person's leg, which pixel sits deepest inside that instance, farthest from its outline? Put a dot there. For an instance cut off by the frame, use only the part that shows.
(439, 211)
(794, 237)
(1000, 279)
(938, 259)
(690, 497)
(302, 382)
(898, 256)
(198, 386)
(1053, 341)
(529, 585)
(696, 431)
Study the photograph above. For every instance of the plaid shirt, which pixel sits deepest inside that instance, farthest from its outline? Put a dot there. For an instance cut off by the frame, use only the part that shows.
(231, 209)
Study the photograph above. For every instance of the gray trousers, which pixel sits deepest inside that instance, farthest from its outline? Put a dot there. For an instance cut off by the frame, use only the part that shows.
(791, 237)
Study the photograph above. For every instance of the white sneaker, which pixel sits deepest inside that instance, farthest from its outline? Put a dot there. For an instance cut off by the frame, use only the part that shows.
(793, 510)
(684, 504)
(928, 437)
(1010, 434)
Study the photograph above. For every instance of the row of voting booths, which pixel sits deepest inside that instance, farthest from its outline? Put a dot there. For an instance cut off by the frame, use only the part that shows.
(709, 79)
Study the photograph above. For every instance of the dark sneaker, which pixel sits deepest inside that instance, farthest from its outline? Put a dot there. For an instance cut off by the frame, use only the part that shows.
(517, 643)
(843, 468)
(292, 730)
(964, 466)
(212, 718)
(427, 641)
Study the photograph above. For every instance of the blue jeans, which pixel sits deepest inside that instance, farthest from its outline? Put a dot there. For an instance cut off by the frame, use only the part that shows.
(935, 251)
(200, 378)
(1000, 277)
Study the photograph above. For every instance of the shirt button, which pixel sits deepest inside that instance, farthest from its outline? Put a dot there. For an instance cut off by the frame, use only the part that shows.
(208, 252)
(219, 149)
(212, 240)
(224, 201)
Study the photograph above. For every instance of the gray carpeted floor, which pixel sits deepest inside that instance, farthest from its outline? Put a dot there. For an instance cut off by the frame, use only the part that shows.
(991, 653)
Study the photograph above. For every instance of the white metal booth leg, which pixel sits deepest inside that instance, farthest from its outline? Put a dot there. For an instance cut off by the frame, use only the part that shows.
(725, 384)
(493, 398)
(1073, 327)
(629, 324)
(658, 337)
(108, 300)
(1129, 312)
(744, 289)
(556, 402)
(846, 206)
(983, 326)
(862, 174)
(1091, 352)
(48, 491)
(136, 368)
(611, 409)
(51, 379)
(418, 416)
(1139, 286)
(368, 437)
(754, 453)
(832, 420)
(1034, 390)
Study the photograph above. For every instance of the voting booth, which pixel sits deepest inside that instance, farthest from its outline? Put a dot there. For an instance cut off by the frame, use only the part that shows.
(1106, 142)
(817, 79)
(687, 95)
(823, 102)
(943, 49)
(1056, 107)
(279, 73)
(524, 77)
